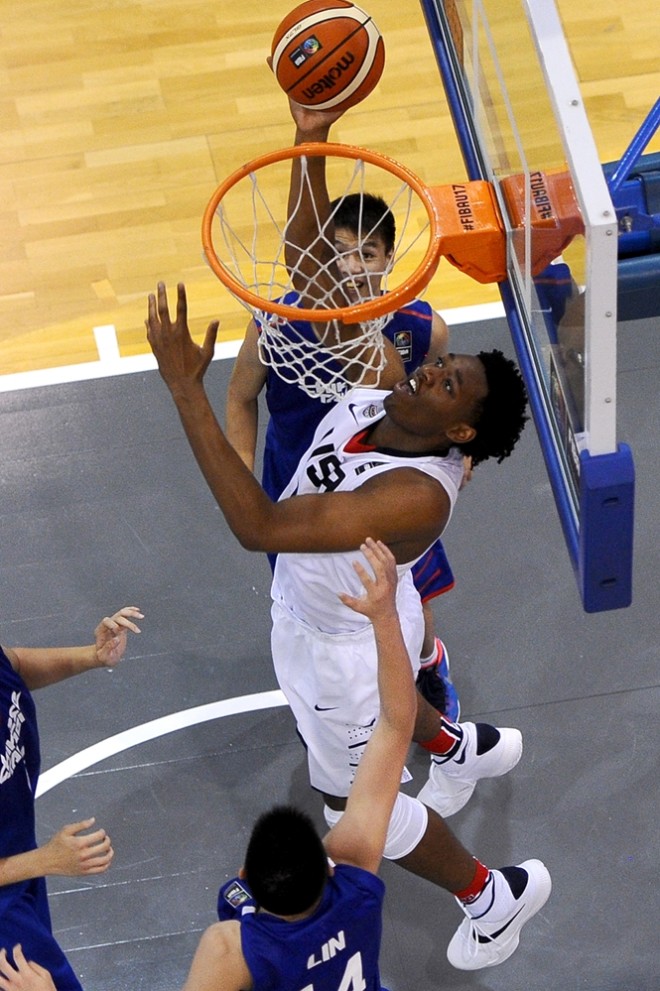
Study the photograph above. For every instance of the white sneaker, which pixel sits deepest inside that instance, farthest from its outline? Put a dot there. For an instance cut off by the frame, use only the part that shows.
(484, 752)
(490, 933)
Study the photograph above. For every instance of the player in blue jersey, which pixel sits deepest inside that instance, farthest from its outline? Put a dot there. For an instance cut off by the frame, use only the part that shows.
(306, 913)
(74, 850)
(418, 334)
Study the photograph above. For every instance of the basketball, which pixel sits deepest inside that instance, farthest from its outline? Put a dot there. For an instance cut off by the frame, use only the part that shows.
(328, 54)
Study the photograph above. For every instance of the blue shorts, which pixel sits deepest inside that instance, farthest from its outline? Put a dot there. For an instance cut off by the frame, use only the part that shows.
(432, 574)
(25, 919)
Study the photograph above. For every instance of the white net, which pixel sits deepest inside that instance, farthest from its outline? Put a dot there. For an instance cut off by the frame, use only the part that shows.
(309, 299)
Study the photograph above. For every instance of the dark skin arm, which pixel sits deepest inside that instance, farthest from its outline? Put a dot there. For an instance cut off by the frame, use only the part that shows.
(310, 523)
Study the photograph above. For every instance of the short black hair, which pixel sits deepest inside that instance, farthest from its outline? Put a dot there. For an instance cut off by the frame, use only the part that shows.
(501, 416)
(365, 214)
(286, 865)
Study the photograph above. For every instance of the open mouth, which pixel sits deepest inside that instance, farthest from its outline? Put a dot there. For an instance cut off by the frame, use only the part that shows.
(409, 386)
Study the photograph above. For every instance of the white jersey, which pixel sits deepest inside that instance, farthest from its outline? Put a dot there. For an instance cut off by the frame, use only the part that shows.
(308, 585)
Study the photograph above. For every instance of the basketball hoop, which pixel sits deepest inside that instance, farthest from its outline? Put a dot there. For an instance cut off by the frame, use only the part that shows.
(289, 287)
(259, 280)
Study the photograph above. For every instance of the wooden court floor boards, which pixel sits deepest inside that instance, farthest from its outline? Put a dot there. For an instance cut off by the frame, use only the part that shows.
(118, 120)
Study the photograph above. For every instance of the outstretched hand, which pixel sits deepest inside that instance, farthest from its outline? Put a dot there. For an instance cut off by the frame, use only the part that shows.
(23, 975)
(112, 633)
(72, 852)
(311, 121)
(379, 600)
(181, 362)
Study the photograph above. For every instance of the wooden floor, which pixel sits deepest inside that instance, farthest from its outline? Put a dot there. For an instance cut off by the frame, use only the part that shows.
(119, 119)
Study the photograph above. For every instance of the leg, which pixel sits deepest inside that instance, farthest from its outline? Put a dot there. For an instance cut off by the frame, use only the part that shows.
(432, 576)
(428, 646)
(461, 754)
(497, 903)
(438, 857)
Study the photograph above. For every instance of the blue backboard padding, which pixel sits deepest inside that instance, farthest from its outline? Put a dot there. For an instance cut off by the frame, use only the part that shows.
(607, 494)
(638, 287)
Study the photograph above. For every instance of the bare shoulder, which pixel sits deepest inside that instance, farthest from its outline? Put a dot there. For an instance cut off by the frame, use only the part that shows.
(249, 374)
(439, 342)
(218, 964)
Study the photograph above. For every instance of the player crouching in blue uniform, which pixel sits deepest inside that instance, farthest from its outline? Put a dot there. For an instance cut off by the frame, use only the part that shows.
(307, 913)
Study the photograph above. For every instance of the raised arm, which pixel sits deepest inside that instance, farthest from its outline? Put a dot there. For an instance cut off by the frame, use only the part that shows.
(247, 381)
(359, 836)
(308, 206)
(331, 522)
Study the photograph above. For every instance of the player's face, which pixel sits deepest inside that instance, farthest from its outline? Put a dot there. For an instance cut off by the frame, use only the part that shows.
(440, 399)
(361, 264)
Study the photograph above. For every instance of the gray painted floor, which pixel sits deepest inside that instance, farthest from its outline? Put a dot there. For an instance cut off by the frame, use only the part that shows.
(102, 505)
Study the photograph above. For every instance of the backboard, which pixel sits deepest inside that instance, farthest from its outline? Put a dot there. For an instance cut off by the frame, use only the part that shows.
(520, 120)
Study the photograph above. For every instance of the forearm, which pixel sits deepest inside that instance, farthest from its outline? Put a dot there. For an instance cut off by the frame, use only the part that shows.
(308, 206)
(244, 504)
(42, 666)
(396, 688)
(22, 867)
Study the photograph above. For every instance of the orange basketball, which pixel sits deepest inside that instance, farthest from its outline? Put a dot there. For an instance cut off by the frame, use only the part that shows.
(328, 54)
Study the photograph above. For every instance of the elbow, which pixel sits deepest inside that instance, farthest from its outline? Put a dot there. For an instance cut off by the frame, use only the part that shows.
(253, 539)
(249, 543)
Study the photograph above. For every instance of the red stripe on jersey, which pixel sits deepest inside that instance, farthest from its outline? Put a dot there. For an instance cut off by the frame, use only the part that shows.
(357, 444)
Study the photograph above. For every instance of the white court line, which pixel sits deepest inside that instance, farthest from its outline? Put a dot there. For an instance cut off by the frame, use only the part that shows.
(103, 368)
(473, 314)
(152, 730)
(111, 363)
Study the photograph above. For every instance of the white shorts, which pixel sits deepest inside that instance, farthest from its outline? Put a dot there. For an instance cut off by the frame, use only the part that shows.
(330, 682)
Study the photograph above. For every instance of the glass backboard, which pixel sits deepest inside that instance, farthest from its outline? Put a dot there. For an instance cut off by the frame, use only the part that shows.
(520, 120)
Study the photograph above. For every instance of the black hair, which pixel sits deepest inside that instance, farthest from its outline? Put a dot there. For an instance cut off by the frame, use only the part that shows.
(365, 214)
(286, 865)
(501, 415)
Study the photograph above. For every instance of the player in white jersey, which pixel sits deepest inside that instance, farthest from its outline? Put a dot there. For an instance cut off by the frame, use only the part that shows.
(475, 403)
(332, 691)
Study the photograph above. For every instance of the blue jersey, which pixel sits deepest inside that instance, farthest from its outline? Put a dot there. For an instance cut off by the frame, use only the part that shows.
(335, 947)
(294, 416)
(19, 766)
(24, 914)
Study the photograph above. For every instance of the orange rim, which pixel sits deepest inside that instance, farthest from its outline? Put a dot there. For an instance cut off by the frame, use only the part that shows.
(391, 300)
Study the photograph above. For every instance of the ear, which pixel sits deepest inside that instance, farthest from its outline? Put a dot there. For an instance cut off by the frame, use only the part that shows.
(462, 433)
(241, 873)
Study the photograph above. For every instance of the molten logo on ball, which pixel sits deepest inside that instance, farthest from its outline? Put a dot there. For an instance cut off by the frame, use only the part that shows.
(329, 81)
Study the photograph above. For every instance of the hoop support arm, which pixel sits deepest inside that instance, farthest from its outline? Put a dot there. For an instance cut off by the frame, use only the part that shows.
(472, 235)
